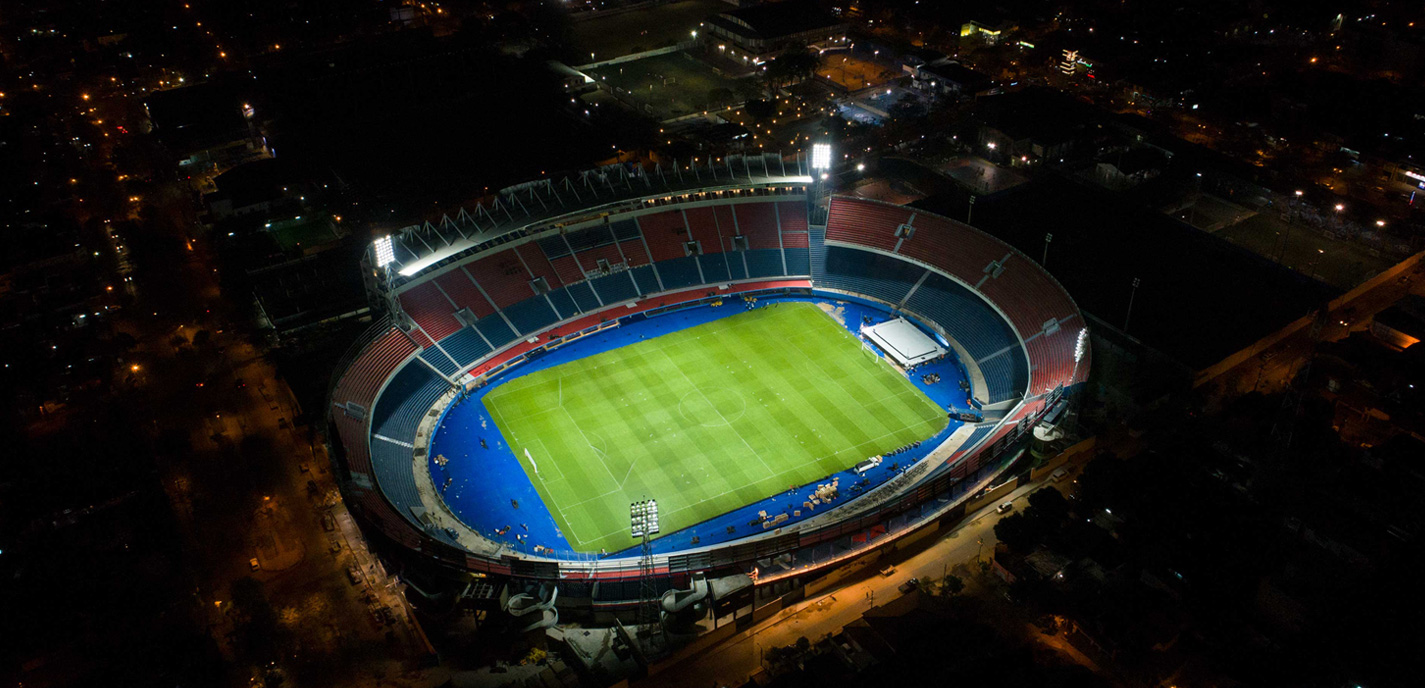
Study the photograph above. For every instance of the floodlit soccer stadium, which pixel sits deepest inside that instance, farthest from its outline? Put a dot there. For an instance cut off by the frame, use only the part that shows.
(651, 375)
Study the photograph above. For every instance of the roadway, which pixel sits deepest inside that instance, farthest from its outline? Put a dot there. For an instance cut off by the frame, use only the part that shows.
(733, 661)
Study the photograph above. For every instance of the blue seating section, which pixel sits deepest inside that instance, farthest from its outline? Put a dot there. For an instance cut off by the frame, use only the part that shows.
(715, 266)
(465, 346)
(495, 330)
(765, 262)
(563, 303)
(614, 288)
(531, 315)
(392, 416)
(583, 296)
(736, 267)
(679, 273)
(441, 362)
(646, 280)
(967, 317)
(880, 277)
(798, 261)
(1006, 376)
(392, 465)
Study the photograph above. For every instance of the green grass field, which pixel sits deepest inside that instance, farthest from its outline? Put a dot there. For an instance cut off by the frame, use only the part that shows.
(705, 420)
(669, 85)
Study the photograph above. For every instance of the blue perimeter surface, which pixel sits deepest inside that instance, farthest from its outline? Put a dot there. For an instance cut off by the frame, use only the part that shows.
(489, 491)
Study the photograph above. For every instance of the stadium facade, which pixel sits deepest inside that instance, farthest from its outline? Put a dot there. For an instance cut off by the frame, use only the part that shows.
(472, 299)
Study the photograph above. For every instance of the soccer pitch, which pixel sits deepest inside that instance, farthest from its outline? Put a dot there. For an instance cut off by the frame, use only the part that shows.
(705, 420)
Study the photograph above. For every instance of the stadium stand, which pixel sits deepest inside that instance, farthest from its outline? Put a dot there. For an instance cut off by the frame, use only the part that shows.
(646, 279)
(866, 224)
(764, 263)
(665, 233)
(614, 288)
(496, 331)
(954, 247)
(968, 318)
(465, 346)
(461, 289)
(563, 302)
(437, 358)
(878, 276)
(583, 297)
(633, 251)
(532, 315)
(363, 378)
(430, 309)
(703, 228)
(538, 264)
(793, 219)
(1005, 376)
(757, 222)
(715, 266)
(680, 273)
(503, 278)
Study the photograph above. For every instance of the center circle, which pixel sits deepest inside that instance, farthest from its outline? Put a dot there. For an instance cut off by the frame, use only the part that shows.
(712, 407)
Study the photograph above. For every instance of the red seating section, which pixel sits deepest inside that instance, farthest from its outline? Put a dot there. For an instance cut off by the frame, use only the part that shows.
(430, 309)
(371, 367)
(757, 222)
(634, 252)
(793, 217)
(589, 258)
(706, 227)
(665, 233)
(568, 269)
(952, 246)
(539, 264)
(865, 224)
(503, 277)
(463, 292)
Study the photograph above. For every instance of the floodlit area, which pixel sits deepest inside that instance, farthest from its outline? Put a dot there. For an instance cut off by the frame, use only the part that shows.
(705, 420)
(665, 86)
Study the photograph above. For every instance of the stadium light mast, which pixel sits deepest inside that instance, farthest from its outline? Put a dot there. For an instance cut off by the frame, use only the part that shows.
(821, 172)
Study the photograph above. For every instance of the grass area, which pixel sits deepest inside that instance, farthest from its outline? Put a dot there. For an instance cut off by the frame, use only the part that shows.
(705, 420)
(610, 35)
(666, 86)
(1338, 262)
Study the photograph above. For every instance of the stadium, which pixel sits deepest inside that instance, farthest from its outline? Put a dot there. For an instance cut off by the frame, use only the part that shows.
(625, 383)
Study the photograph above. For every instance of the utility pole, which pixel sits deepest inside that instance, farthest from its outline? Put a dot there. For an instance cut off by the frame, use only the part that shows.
(1131, 294)
(1048, 237)
(970, 214)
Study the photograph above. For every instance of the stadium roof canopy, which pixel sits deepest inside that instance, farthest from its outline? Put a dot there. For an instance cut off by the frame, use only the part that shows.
(517, 209)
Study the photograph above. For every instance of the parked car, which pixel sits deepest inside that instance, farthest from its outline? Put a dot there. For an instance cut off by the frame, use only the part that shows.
(909, 585)
(254, 563)
(353, 574)
(328, 523)
(1005, 508)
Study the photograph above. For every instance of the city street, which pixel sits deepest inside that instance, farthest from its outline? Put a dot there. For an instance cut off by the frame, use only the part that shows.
(734, 660)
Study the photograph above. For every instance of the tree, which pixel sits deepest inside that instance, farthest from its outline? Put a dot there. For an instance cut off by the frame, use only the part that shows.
(952, 585)
(720, 96)
(1018, 532)
(761, 109)
(795, 64)
(1049, 506)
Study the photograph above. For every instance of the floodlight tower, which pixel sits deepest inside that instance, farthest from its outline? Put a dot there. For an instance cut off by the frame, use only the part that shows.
(383, 257)
(643, 524)
(821, 176)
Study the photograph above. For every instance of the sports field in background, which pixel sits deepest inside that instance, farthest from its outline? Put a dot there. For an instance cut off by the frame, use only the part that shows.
(665, 86)
(705, 420)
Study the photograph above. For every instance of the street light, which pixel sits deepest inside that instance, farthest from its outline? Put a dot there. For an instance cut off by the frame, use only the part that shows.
(1340, 207)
